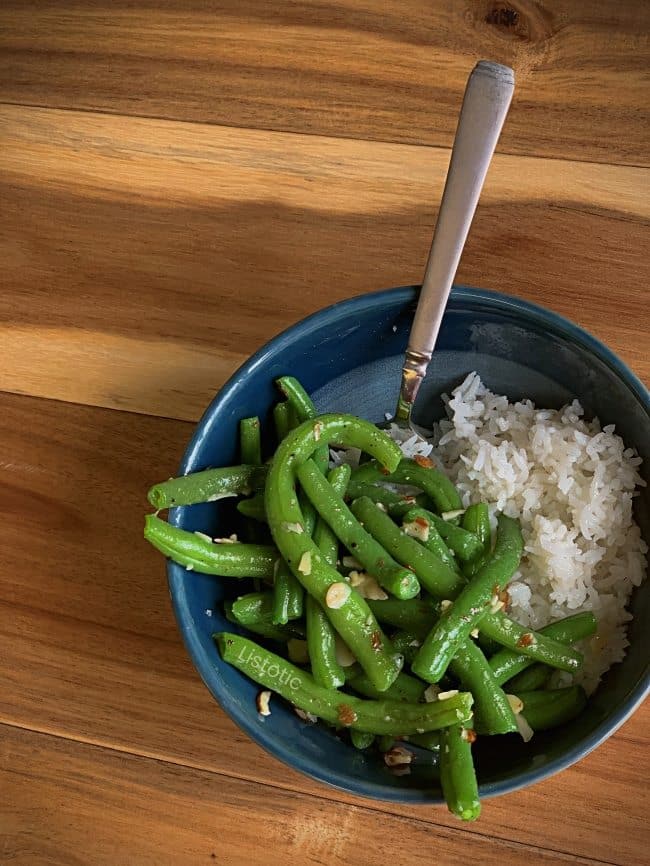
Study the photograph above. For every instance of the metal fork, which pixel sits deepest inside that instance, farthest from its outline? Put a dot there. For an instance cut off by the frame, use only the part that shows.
(485, 105)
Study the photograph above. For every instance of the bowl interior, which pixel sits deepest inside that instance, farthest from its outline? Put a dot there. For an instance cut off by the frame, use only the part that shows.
(349, 358)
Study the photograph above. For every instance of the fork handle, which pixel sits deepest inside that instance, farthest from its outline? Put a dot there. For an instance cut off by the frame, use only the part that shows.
(485, 105)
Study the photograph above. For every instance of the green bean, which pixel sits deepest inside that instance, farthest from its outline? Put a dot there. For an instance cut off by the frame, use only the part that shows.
(492, 711)
(304, 409)
(288, 592)
(429, 741)
(396, 503)
(250, 442)
(457, 773)
(353, 619)
(405, 688)
(506, 663)
(550, 709)
(415, 615)
(439, 579)
(399, 581)
(530, 680)
(462, 617)
(464, 544)
(361, 740)
(321, 638)
(420, 474)
(374, 717)
(420, 617)
(476, 520)
(283, 420)
(207, 486)
(241, 610)
(407, 642)
(535, 645)
(424, 531)
(199, 553)
(385, 742)
(253, 508)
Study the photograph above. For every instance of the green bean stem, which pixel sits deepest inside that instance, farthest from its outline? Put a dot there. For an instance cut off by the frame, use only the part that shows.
(353, 619)
(321, 638)
(437, 577)
(462, 617)
(539, 647)
(544, 710)
(199, 553)
(401, 582)
(207, 486)
(457, 773)
(433, 482)
(506, 663)
(374, 717)
(492, 711)
(464, 544)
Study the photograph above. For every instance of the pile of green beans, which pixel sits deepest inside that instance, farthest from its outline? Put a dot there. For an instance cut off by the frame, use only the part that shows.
(338, 560)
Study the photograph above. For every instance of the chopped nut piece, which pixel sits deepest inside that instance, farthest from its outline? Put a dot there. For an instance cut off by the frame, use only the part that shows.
(367, 586)
(443, 696)
(431, 693)
(445, 603)
(293, 527)
(318, 429)
(397, 756)
(496, 604)
(306, 716)
(452, 515)
(516, 704)
(304, 566)
(415, 642)
(346, 715)
(262, 702)
(469, 735)
(375, 640)
(337, 594)
(524, 728)
(189, 567)
(351, 562)
(418, 528)
(525, 640)
(474, 633)
(504, 596)
(425, 462)
(203, 536)
(381, 506)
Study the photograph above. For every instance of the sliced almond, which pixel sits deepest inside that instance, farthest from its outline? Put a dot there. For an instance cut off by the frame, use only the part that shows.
(262, 701)
(337, 594)
(304, 566)
(397, 756)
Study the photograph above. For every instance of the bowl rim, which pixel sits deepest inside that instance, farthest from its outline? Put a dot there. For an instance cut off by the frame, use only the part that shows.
(261, 734)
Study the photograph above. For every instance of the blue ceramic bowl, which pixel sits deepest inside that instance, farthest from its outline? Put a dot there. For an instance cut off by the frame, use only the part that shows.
(349, 358)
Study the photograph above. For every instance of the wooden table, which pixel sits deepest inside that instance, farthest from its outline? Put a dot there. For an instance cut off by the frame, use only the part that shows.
(178, 183)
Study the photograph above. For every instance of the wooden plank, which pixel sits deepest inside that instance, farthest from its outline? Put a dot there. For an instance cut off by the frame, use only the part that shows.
(144, 260)
(391, 70)
(90, 650)
(70, 803)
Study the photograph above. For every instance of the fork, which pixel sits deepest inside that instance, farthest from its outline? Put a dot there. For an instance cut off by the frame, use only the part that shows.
(485, 105)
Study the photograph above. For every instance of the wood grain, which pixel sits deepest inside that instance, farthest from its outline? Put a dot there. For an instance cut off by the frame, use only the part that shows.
(73, 804)
(90, 652)
(392, 70)
(144, 260)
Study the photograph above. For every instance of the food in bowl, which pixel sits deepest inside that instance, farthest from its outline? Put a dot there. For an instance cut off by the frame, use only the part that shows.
(422, 559)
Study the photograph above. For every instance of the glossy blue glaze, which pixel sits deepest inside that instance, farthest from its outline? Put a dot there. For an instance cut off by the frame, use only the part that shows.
(349, 357)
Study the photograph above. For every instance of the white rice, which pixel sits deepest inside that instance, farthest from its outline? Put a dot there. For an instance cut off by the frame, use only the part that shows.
(571, 484)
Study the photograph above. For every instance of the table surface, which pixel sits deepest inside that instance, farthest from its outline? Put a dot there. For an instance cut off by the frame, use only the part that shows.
(179, 182)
